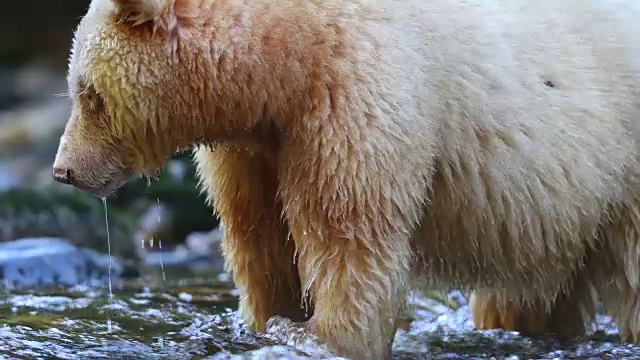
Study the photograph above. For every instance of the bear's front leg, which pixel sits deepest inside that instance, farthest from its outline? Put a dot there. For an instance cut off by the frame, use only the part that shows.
(242, 187)
(351, 224)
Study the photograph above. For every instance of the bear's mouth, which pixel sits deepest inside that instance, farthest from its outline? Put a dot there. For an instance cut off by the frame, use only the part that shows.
(112, 182)
(105, 189)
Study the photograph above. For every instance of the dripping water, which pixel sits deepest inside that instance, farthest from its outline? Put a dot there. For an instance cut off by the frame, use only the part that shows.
(160, 248)
(161, 338)
(106, 220)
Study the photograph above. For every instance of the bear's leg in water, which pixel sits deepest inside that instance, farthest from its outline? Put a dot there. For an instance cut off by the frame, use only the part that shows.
(615, 269)
(243, 189)
(564, 316)
(352, 228)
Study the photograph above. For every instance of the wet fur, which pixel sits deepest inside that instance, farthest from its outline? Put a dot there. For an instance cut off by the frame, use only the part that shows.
(354, 146)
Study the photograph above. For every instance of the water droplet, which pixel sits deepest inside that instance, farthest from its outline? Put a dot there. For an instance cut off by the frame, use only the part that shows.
(161, 260)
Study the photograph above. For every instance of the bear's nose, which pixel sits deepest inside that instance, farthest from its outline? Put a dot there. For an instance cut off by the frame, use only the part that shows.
(62, 175)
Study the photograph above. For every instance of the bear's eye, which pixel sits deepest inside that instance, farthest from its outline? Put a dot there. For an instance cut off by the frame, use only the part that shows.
(93, 98)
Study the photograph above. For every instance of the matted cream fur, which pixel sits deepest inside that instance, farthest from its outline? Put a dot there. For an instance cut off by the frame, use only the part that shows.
(350, 145)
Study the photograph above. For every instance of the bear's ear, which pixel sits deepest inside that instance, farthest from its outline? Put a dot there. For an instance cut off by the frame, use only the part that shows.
(167, 15)
(141, 11)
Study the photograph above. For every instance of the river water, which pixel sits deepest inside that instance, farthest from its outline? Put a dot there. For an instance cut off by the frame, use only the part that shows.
(190, 315)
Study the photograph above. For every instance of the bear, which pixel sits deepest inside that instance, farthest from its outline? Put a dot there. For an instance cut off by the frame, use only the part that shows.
(352, 148)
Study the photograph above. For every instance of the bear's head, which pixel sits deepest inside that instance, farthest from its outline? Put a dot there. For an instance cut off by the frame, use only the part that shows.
(133, 107)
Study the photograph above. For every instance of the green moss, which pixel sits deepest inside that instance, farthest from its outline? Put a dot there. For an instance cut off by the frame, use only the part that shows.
(73, 215)
(39, 321)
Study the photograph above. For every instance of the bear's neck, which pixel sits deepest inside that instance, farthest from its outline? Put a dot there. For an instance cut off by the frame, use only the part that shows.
(266, 64)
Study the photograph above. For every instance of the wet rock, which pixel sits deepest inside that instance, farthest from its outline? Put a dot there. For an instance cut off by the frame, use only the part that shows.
(206, 242)
(201, 249)
(180, 256)
(36, 262)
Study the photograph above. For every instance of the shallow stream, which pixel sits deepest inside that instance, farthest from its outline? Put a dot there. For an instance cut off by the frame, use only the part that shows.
(190, 315)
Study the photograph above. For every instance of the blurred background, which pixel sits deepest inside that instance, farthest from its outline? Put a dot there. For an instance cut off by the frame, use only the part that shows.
(170, 212)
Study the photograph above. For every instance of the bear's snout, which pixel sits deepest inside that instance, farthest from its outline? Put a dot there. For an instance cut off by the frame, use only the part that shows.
(62, 175)
(61, 171)
(91, 171)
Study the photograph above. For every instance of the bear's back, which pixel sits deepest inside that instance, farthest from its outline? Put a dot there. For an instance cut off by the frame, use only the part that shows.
(535, 107)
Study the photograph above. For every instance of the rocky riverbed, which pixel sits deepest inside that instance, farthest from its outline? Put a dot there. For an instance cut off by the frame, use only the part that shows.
(189, 313)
